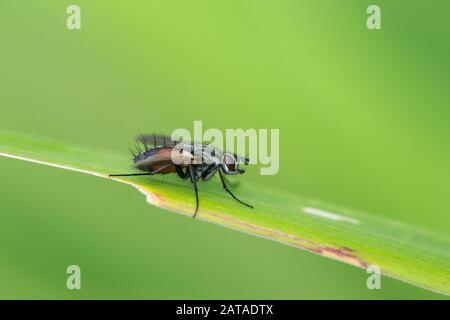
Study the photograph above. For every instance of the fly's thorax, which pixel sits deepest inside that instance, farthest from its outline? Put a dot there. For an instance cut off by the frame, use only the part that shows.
(195, 153)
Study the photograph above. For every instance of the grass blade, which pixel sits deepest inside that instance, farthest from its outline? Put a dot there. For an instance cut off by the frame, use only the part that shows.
(405, 252)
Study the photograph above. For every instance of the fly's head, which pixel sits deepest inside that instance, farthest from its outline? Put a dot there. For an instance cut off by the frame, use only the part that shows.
(231, 163)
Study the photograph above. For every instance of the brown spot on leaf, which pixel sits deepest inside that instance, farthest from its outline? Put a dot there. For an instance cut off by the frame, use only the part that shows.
(343, 254)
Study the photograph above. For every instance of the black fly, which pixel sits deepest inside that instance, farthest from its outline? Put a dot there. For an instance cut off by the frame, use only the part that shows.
(189, 160)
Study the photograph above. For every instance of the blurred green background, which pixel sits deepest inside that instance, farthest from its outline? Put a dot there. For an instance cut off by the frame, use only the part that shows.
(363, 118)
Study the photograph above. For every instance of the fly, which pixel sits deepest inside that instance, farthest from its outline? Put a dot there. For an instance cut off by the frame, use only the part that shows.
(193, 161)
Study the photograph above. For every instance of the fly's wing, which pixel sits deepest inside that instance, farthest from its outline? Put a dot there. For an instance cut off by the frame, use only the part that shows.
(153, 157)
(185, 152)
(162, 156)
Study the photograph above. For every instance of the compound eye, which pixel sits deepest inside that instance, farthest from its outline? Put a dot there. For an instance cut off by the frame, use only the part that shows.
(230, 162)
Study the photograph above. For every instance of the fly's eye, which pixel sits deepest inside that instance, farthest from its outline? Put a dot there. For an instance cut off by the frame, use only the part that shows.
(230, 162)
(231, 166)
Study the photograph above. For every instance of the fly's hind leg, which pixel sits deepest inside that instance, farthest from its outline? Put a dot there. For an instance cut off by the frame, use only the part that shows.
(141, 174)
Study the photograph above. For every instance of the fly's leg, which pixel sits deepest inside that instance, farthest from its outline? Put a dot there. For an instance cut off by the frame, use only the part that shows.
(232, 184)
(194, 182)
(161, 169)
(231, 193)
(182, 174)
(130, 174)
(141, 174)
(189, 173)
(210, 172)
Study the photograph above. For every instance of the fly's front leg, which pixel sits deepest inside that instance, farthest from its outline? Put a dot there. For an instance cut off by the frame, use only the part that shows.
(231, 193)
(210, 172)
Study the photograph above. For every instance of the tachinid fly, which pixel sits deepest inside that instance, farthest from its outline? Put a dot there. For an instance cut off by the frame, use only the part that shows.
(194, 161)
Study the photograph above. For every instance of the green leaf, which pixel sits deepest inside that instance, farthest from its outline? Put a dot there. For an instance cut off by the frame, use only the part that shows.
(401, 251)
